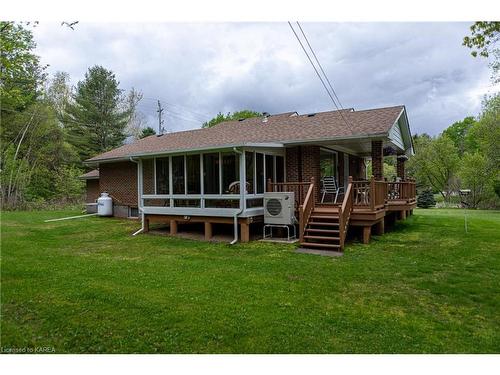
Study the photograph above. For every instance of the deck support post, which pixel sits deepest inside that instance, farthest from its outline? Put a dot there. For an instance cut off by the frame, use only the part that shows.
(245, 232)
(366, 234)
(173, 227)
(402, 215)
(379, 227)
(146, 225)
(208, 231)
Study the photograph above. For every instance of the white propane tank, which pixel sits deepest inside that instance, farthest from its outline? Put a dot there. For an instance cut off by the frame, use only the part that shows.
(105, 205)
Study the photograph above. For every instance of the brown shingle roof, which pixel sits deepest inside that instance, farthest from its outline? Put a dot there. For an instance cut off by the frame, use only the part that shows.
(93, 174)
(281, 128)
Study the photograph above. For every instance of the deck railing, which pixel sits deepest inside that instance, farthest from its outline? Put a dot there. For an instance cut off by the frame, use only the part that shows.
(369, 194)
(306, 209)
(401, 191)
(300, 189)
(345, 212)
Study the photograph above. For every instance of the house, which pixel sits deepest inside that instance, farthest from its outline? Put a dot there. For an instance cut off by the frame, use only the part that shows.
(196, 176)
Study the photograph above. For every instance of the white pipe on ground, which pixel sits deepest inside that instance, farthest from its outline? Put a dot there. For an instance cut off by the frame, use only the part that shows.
(70, 217)
(242, 199)
(142, 223)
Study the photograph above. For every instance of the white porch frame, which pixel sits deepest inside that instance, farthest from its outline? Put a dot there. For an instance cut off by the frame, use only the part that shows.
(202, 210)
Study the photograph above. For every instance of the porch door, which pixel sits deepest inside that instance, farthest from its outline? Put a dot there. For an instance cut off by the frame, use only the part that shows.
(328, 163)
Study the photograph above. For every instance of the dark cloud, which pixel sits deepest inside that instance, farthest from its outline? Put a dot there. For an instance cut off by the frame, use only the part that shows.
(207, 68)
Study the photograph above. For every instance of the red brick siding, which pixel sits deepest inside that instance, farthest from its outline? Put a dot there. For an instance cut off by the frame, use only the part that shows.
(377, 160)
(92, 191)
(120, 181)
(400, 168)
(302, 163)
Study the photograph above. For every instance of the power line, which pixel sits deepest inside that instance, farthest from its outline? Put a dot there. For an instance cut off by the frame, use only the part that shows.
(319, 64)
(187, 109)
(319, 76)
(322, 70)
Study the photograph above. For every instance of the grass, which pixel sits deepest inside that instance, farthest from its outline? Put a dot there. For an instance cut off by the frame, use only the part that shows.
(87, 286)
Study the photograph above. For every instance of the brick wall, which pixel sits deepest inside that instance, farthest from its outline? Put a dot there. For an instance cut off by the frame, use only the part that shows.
(377, 160)
(120, 181)
(400, 167)
(92, 191)
(302, 163)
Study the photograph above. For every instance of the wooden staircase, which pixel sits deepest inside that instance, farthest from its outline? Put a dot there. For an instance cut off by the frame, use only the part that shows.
(325, 227)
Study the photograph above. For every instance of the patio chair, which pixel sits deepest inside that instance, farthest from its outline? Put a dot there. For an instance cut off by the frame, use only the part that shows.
(329, 186)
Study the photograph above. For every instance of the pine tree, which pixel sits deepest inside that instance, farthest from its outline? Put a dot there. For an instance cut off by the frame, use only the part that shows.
(426, 199)
(96, 119)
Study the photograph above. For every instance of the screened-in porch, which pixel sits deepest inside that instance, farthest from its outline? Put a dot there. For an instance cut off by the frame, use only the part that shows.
(209, 183)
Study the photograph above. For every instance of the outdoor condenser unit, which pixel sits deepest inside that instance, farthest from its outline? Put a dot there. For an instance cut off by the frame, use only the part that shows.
(279, 208)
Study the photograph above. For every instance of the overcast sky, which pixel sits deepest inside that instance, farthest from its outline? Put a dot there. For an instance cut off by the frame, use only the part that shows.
(200, 69)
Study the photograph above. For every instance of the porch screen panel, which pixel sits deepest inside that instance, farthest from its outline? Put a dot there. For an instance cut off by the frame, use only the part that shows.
(148, 177)
(193, 174)
(162, 176)
(270, 168)
(211, 183)
(280, 169)
(178, 182)
(249, 170)
(259, 163)
(230, 173)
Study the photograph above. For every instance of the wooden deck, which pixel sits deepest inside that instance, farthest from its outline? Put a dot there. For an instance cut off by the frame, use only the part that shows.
(365, 204)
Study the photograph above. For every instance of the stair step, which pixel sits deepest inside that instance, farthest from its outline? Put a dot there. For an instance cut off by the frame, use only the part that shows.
(324, 217)
(326, 224)
(316, 230)
(322, 238)
(323, 245)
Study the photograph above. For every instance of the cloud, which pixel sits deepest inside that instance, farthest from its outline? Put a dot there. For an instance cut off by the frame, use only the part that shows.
(199, 69)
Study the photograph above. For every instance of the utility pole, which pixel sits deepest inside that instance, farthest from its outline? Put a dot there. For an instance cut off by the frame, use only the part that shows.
(160, 121)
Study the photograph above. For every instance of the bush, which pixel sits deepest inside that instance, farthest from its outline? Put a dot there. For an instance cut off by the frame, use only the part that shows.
(426, 199)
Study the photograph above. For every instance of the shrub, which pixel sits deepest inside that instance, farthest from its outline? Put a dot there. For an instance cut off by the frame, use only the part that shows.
(426, 199)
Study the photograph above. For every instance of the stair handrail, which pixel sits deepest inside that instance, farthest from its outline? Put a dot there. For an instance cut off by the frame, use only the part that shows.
(345, 211)
(305, 210)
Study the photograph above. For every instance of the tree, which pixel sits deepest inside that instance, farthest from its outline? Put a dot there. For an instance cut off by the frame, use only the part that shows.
(59, 93)
(476, 176)
(435, 163)
(21, 74)
(459, 133)
(243, 114)
(484, 36)
(146, 132)
(97, 119)
(137, 120)
(483, 39)
(426, 199)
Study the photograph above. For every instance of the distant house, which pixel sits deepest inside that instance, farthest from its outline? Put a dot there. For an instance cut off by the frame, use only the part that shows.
(198, 175)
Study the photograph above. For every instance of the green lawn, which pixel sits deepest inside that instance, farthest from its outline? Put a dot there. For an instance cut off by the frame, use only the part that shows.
(86, 285)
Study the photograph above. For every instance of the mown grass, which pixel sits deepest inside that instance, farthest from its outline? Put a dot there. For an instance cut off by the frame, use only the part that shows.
(87, 286)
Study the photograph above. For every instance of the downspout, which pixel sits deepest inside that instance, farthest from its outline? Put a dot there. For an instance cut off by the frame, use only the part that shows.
(138, 197)
(242, 200)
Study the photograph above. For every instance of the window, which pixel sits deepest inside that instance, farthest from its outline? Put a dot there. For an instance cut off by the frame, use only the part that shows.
(280, 169)
(270, 168)
(178, 183)
(259, 162)
(193, 174)
(249, 167)
(211, 183)
(162, 174)
(230, 174)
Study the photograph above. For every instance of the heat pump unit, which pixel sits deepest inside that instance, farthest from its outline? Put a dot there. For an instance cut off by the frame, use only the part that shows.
(279, 208)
